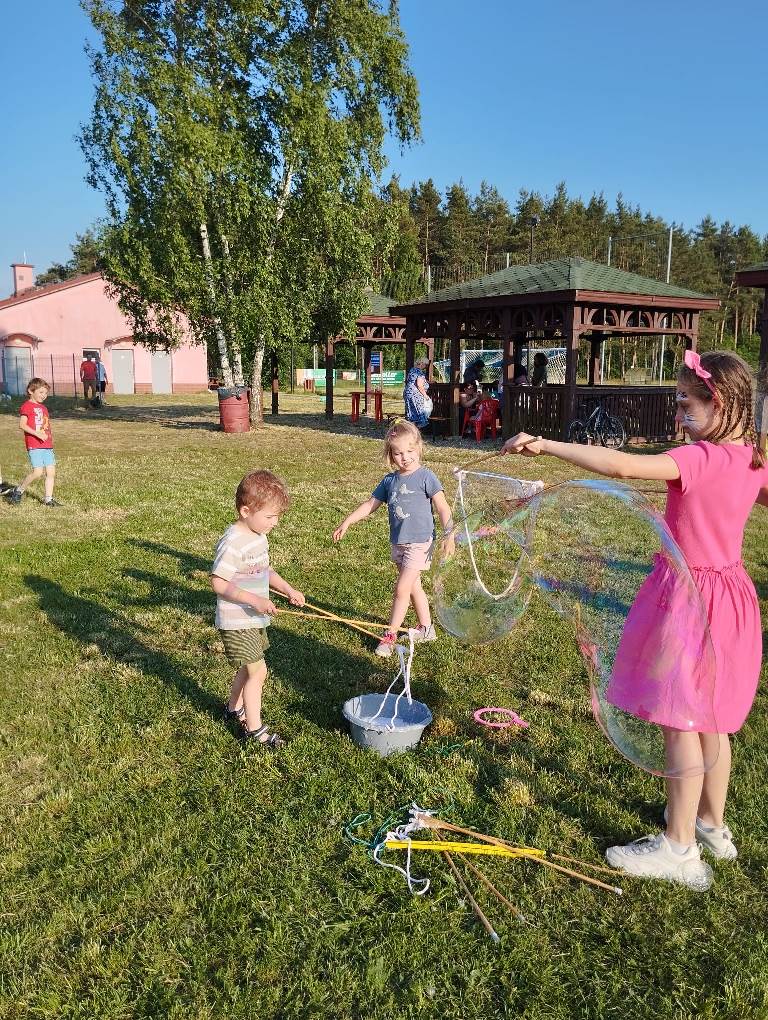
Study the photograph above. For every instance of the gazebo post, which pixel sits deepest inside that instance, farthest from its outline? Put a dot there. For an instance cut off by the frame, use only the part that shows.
(763, 363)
(330, 359)
(431, 355)
(410, 346)
(692, 338)
(366, 375)
(507, 356)
(763, 330)
(571, 335)
(275, 373)
(454, 409)
(595, 343)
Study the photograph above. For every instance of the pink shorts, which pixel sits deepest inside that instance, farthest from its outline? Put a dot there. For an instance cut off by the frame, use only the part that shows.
(413, 555)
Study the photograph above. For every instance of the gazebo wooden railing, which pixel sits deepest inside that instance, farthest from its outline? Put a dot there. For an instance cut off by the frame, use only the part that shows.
(648, 412)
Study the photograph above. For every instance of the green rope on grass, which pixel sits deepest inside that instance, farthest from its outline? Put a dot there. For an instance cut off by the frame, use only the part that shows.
(398, 816)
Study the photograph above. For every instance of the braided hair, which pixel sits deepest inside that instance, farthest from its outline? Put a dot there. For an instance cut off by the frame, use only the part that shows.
(733, 383)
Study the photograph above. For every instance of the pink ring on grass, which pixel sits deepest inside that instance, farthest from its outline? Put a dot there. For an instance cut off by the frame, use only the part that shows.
(513, 719)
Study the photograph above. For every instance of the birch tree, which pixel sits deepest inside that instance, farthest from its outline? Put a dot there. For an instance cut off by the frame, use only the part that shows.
(238, 144)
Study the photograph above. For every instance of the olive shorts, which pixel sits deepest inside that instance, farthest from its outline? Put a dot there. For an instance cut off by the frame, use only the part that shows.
(243, 647)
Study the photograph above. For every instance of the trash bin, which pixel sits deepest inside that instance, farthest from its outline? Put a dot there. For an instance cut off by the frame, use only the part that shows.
(235, 408)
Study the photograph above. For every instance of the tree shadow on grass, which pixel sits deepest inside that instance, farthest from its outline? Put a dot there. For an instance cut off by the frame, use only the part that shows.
(118, 638)
(317, 676)
(201, 417)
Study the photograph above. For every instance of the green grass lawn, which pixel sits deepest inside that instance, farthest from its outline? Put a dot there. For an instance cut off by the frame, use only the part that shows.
(150, 868)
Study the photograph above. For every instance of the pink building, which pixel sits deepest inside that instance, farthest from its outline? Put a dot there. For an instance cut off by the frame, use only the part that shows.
(47, 331)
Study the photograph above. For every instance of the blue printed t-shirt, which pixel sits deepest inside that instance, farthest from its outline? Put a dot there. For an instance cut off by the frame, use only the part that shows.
(409, 502)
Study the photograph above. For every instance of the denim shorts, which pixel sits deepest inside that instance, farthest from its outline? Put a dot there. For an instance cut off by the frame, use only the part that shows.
(41, 458)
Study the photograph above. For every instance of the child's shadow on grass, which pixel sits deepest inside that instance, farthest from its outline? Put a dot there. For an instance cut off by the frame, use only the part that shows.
(317, 675)
(116, 637)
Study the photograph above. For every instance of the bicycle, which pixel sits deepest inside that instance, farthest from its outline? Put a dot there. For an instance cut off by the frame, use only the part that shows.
(601, 426)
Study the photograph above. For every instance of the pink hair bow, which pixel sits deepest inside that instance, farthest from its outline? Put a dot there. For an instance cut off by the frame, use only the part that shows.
(693, 361)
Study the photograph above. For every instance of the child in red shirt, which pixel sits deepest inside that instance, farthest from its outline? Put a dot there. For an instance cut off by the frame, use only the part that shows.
(34, 422)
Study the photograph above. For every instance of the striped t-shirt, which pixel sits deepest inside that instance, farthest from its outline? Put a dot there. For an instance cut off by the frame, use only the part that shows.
(242, 557)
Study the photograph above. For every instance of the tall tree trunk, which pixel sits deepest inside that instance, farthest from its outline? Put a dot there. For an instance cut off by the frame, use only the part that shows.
(736, 324)
(221, 340)
(257, 394)
(237, 358)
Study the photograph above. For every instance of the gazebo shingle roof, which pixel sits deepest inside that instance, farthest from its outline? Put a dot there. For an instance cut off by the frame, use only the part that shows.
(378, 304)
(569, 274)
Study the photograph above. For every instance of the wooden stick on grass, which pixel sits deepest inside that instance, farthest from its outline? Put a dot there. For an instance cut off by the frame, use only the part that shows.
(473, 902)
(431, 822)
(489, 885)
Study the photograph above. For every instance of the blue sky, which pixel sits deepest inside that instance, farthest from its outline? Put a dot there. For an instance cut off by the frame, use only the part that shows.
(661, 101)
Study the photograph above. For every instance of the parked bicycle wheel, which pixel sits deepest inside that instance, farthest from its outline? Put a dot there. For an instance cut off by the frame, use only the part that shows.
(577, 432)
(612, 433)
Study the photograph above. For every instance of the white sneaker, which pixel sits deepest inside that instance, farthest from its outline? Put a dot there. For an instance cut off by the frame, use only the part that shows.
(386, 646)
(717, 839)
(653, 857)
(422, 634)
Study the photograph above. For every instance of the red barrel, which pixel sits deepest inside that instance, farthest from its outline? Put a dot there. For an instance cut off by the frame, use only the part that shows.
(234, 409)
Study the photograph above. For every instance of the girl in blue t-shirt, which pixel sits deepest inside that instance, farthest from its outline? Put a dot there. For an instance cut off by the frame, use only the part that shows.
(410, 492)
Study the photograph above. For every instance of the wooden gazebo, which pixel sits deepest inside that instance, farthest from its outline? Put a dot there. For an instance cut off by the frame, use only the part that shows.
(377, 327)
(757, 276)
(557, 303)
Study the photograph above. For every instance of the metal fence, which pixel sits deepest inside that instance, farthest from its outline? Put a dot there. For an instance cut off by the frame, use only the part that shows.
(19, 364)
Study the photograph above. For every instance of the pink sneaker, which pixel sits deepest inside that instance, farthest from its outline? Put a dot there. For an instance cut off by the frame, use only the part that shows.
(386, 646)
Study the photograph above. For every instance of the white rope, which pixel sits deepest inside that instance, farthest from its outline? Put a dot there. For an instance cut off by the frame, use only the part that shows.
(405, 673)
(418, 886)
(461, 475)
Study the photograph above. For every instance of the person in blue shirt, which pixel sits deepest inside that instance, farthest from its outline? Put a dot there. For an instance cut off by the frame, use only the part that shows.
(410, 491)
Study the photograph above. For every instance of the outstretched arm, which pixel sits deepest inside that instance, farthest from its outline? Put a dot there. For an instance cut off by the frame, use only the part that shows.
(612, 463)
(762, 499)
(364, 510)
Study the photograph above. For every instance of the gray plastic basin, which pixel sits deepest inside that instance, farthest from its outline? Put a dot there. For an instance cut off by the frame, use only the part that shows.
(410, 722)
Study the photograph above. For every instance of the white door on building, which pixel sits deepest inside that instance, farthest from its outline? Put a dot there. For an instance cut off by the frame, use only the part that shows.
(17, 369)
(162, 381)
(122, 371)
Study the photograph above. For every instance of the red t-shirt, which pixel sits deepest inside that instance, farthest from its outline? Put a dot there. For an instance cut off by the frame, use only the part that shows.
(37, 418)
(88, 370)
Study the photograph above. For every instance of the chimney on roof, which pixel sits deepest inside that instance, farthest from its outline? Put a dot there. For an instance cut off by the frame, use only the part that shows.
(23, 277)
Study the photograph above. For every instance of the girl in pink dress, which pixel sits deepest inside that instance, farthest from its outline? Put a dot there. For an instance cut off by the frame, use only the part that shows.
(712, 485)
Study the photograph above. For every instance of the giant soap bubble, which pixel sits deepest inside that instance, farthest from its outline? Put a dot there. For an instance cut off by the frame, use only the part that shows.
(605, 561)
(480, 590)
